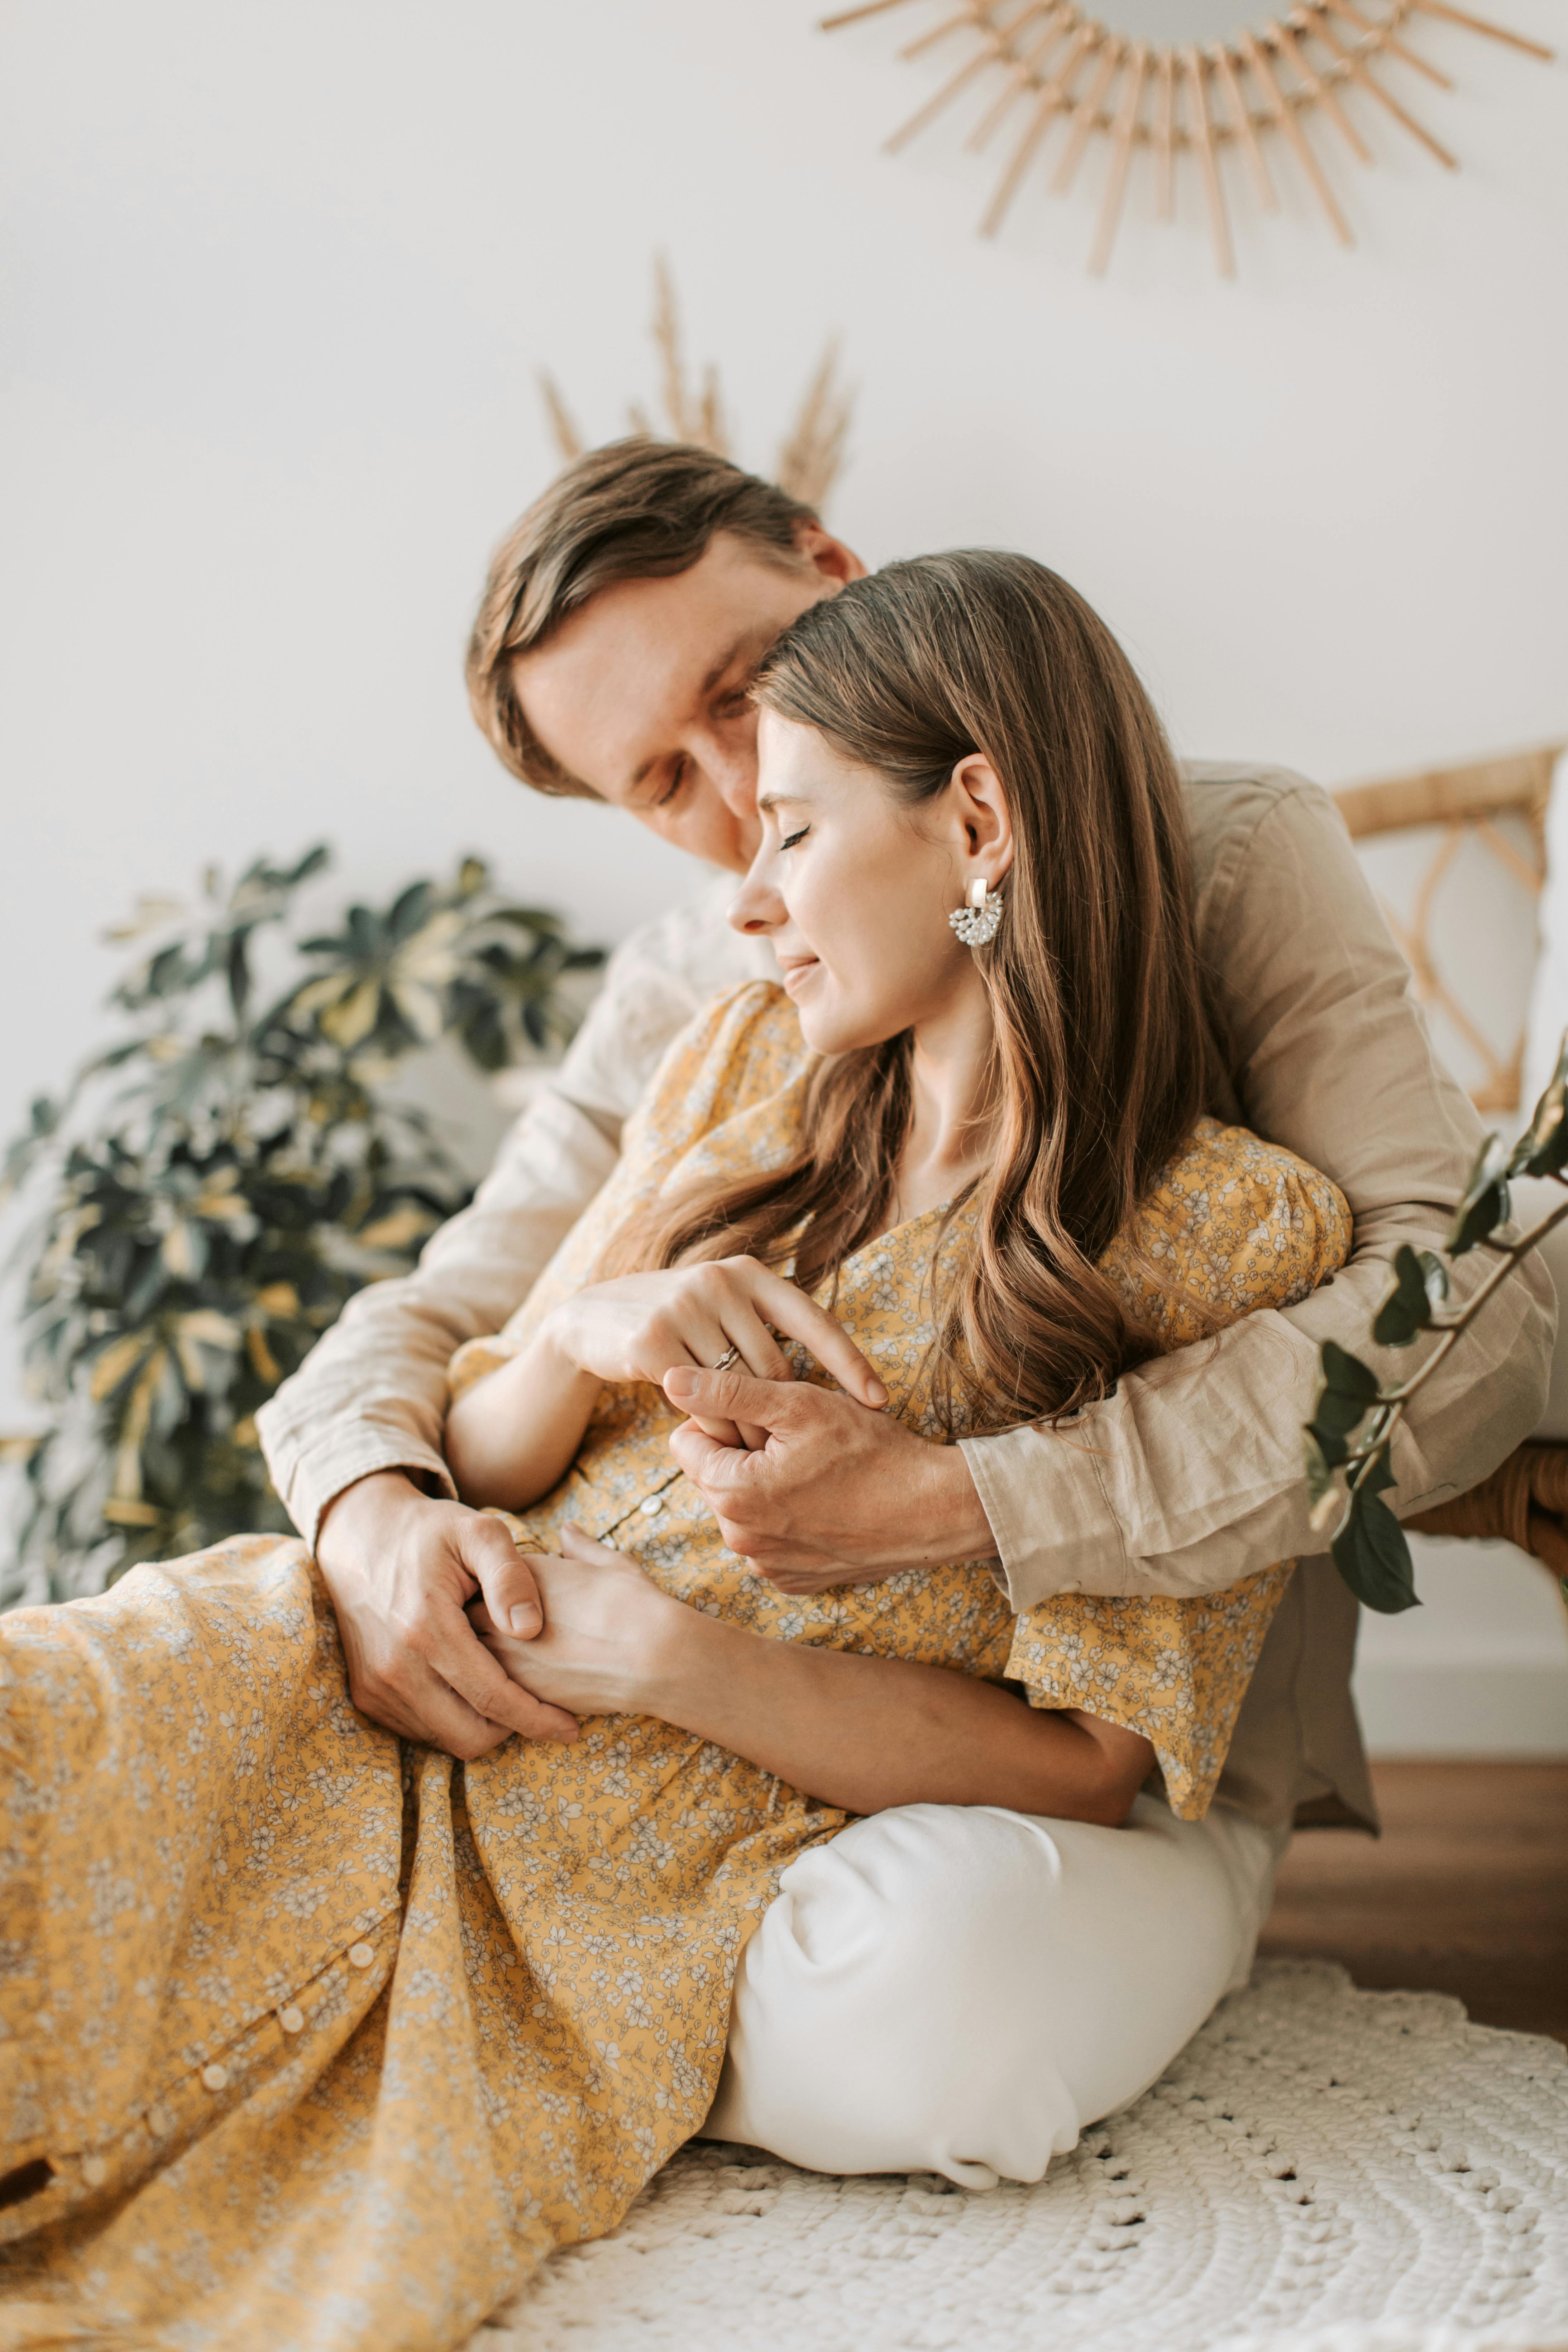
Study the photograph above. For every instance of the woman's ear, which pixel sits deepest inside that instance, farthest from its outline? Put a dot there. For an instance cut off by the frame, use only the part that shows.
(981, 808)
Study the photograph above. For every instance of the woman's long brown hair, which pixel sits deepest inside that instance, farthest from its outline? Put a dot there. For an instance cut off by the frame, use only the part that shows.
(1103, 1054)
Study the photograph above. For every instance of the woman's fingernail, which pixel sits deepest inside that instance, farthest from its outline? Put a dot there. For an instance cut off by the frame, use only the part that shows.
(680, 1380)
(876, 1393)
(525, 1618)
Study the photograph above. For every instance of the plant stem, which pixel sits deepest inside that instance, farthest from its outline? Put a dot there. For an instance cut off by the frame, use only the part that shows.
(1396, 1400)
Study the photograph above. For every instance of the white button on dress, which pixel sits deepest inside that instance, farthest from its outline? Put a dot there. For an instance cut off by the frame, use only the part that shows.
(361, 1955)
(652, 1508)
(291, 2020)
(216, 2077)
(95, 2171)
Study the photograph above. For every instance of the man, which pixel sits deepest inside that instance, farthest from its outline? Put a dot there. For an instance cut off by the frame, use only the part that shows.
(621, 625)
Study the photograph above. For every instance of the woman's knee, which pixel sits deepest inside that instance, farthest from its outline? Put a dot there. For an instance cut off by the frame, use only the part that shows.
(878, 2007)
(965, 1988)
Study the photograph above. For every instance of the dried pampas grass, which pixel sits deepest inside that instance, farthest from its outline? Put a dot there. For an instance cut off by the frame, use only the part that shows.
(811, 456)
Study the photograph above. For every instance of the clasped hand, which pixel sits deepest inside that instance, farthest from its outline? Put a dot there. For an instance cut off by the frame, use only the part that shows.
(606, 1634)
(642, 1326)
(816, 1487)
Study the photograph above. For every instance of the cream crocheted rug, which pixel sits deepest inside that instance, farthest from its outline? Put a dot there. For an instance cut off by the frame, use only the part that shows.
(1321, 2170)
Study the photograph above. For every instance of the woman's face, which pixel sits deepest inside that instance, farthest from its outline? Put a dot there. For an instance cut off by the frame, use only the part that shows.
(855, 891)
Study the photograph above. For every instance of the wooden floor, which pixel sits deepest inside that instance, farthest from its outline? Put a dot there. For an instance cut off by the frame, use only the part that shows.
(1465, 1893)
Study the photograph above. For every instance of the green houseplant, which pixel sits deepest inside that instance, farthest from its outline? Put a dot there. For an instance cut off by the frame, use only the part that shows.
(215, 1185)
(1351, 1430)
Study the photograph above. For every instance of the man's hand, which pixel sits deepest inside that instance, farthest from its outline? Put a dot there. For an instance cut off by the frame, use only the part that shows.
(399, 1566)
(839, 1495)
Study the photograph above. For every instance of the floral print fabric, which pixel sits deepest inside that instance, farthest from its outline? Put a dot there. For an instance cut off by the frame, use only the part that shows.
(1233, 1225)
(310, 2040)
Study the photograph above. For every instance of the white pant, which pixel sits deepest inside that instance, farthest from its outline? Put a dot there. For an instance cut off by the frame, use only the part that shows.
(962, 1989)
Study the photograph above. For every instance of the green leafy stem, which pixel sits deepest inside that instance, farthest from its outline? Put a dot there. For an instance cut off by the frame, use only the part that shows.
(1348, 1474)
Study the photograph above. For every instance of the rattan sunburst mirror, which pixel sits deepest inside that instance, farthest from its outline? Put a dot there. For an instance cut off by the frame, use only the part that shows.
(1036, 65)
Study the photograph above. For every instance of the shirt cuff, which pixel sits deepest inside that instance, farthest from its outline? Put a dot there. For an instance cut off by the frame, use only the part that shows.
(1050, 1515)
(320, 1478)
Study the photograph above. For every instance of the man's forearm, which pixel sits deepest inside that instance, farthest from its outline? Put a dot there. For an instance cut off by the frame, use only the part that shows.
(866, 1733)
(372, 1395)
(1191, 1476)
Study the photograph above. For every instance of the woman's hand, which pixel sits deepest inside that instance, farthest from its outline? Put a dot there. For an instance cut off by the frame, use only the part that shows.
(606, 1631)
(512, 1435)
(643, 1326)
(856, 1732)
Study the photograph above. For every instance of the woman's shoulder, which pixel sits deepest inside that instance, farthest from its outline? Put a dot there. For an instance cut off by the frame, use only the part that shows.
(1234, 1223)
(743, 1046)
(1242, 1163)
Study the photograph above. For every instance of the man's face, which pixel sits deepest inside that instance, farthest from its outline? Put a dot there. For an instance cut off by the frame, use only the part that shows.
(642, 693)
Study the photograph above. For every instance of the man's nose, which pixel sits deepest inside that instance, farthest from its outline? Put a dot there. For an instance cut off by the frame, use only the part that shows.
(730, 756)
(738, 788)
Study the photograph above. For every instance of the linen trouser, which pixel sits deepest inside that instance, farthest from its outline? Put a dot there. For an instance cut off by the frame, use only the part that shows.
(963, 1990)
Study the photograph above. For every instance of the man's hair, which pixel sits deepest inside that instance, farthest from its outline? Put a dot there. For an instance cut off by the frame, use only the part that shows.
(636, 510)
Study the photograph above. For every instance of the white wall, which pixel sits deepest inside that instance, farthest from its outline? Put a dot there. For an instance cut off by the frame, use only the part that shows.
(278, 280)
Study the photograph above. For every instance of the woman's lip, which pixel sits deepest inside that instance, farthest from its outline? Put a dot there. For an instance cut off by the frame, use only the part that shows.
(797, 969)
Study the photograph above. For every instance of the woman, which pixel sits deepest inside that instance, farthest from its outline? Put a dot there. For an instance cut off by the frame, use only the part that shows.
(307, 2050)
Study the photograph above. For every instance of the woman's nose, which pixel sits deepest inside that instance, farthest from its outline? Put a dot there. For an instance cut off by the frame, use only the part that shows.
(756, 905)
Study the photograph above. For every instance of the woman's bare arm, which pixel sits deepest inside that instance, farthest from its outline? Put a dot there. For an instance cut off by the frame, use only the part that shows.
(867, 1732)
(514, 1434)
(861, 1732)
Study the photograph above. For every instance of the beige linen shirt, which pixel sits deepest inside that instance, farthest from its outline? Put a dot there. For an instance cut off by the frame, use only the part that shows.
(1190, 1475)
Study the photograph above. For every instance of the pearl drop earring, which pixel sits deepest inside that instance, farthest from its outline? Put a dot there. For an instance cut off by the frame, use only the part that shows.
(979, 919)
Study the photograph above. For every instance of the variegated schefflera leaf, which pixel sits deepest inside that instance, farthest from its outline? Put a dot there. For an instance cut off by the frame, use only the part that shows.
(215, 1184)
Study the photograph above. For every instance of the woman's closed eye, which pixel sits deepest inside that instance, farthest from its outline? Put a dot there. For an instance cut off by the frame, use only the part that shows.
(791, 838)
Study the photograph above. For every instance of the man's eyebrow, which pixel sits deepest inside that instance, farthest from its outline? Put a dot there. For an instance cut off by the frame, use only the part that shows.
(747, 638)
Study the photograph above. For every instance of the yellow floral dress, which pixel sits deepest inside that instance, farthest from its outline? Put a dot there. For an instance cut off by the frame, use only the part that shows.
(310, 2038)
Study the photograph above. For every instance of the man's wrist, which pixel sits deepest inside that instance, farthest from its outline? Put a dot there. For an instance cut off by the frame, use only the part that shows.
(361, 1512)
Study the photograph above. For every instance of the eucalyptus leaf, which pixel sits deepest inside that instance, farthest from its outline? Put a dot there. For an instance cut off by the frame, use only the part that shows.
(1485, 1203)
(1322, 1461)
(1371, 1551)
(1420, 1286)
(1543, 1148)
(1406, 1310)
(1347, 1391)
